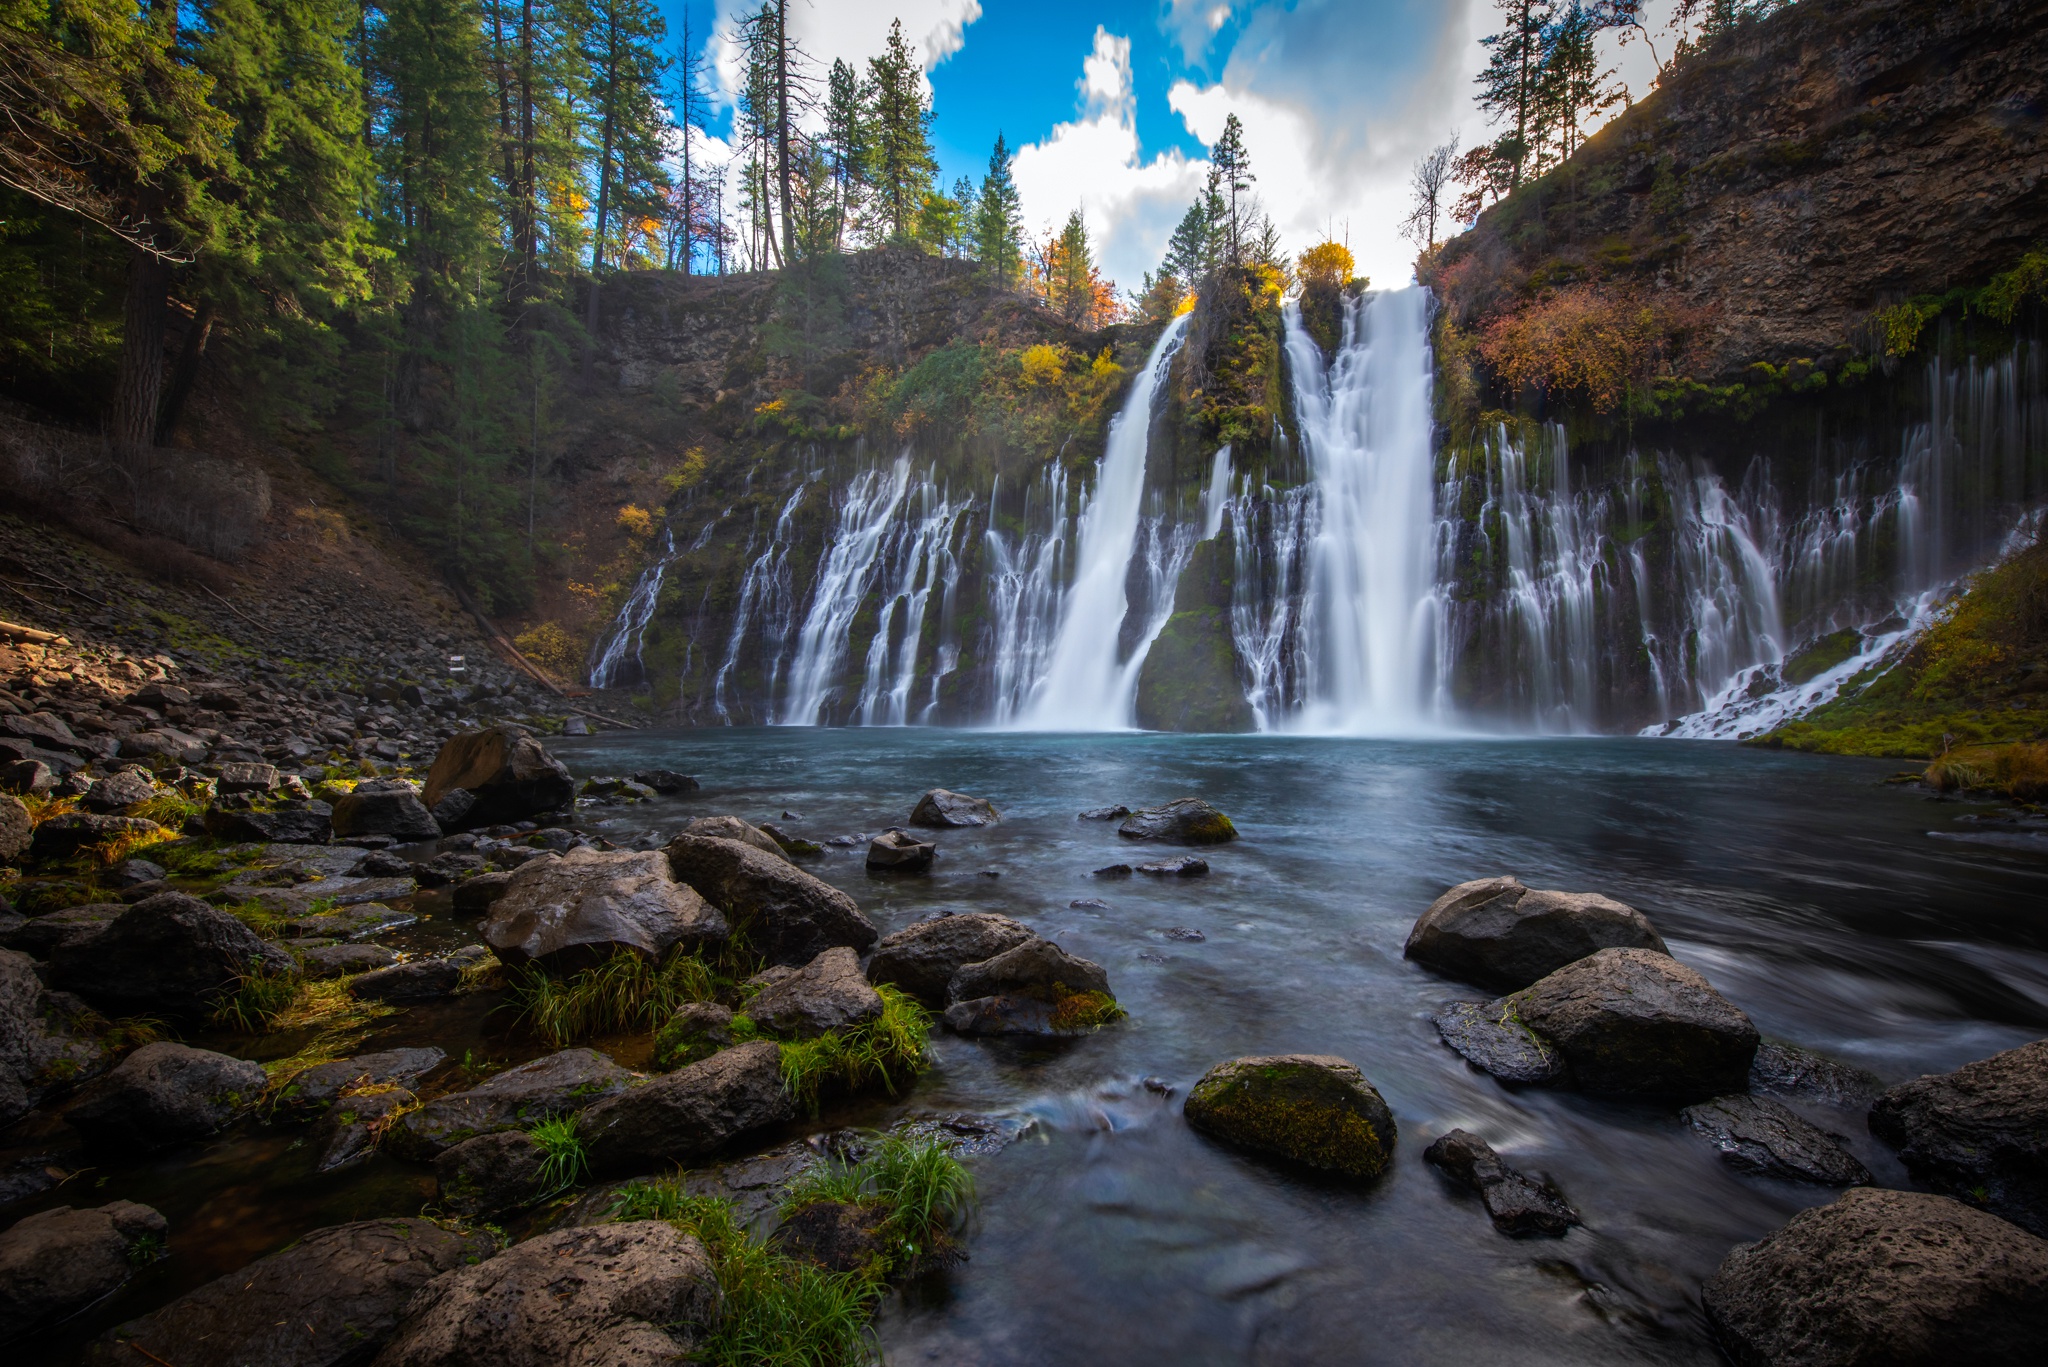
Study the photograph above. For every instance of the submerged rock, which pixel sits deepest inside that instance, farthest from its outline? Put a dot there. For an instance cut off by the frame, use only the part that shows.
(165, 1094)
(942, 808)
(828, 993)
(57, 1262)
(922, 958)
(1314, 1109)
(900, 852)
(1037, 968)
(1639, 1022)
(506, 774)
(516, 1099)
(1980, 1132)
(689, 1113)
(1883, 1277)
(1757, 1135)
(1517, 1205)
(329, 1300)
(570, 910)
(1492, 1039)
(1497, 933)
(1184, 821)
(790, 917)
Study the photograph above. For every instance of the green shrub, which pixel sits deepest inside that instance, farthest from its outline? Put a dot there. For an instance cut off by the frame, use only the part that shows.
(920, 1186)
(893, 1048)
(564, 1163)
(624, 993)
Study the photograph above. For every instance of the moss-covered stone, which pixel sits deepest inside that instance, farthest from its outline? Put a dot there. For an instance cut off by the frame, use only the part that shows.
(1189, 681)
(1823, 655)
(1313, 1109)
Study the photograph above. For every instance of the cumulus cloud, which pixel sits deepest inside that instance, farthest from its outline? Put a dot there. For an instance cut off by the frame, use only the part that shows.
(1094, 163)
(851, 33)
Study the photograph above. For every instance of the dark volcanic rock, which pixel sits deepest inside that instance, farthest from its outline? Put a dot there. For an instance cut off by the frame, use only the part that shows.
(329, 1300)
(1980, 1132)
(666, 781)
(634, 1294)
(1000, 1015)
(1758, 1135)
(836, 1235)
(323, 1084)
(1314, 1109)
(165, 1094)
(516, 1099)
(1036, 968)
(1184, 821)
(384, 807)
(169, 955)
(1104, 814)
(490, 1174)
(733, 828)
(39, 938)
(355, 1124)
(696, 1031)
(61, 837)
(298, 822)
(1885, 1278)
(55, 1263)
(942, 808)
(415, 980)
(689, 1113)
(17, 831)
(1636, 1021)
(478, 894)
(341, 961)
(1516, 1204)
(582, 907)
(826, 994)
(1787, 1070)
(922, 958)
(507, 774)
(900, 852)
(1186, 866)
(117, 793)
(43, 1044)
(1494, 1041)
(789, 916)
(1499, 934)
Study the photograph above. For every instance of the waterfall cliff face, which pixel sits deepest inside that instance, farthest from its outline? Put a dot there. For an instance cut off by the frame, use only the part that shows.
(1708, 584)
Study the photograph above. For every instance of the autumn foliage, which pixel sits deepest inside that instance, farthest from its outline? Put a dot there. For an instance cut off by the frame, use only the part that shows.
(1328, 265)
(1599, 343)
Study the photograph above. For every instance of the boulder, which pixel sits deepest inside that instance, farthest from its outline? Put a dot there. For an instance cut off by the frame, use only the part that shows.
(322, 962)
(1788, 1070)
(1883, 1277)
(900, 852)
(1184, 866)
(922, 958)
(1980, 1132)
(838, 1236)
(1757, 1135)
(942, 808)
(320, 1086)
(384, 807)
(41, 936)
(1639, 1022)
(1184, 821)
(507, 774)
(826, 994)
(30, 776)
(516, 1099)
(57, 1262)
(44, 1045)
(356, 1123)
(490, 1174)
(1497, 933)
(571, 910)
(327, 1300)
(1000, 1015)
(415, 980)
(665, 781)
(732, 828)
(476, 895)
(789, 916)
(61, 837)
(1313, 1109)
(1037, 968)
(1494, 1041)
(133, 873)
(247, 777)
(696, 1031)
(689, 1113)
(299, 821)
(1517, 1205)
(168, 955)
(633, 1294)
(165, 1094)
(115, 794)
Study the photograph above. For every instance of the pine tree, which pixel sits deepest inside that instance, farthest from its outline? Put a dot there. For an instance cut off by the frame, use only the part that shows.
(999, 222)
(1508, 87)
(846, 143)
(903, 165)
(685, 203)
(1193, 250)
(619, 44)
(1073, 288)
(1233, 179)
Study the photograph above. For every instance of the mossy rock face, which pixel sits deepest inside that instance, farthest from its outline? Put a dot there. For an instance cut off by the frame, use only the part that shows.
(1189, 682)
(1313, 1109)
(1823, 655)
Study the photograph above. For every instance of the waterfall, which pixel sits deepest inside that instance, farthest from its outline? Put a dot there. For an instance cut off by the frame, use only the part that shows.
(1369, 611)
(866, 512)
(767, 597)
(1023, 594)
(1085, 687)
(609, 667)
(912, 563)
(1271, 533)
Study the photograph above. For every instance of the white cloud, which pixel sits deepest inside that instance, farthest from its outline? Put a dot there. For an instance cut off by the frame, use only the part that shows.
(1095, 164)
(1195, 23)
(829, 29)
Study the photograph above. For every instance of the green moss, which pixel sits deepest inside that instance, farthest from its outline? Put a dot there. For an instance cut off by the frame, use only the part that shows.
(1823, 655)
(1296, 1110)
(891, 1049)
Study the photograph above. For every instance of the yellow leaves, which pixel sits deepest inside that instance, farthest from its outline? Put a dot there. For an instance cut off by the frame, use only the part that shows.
(1043, 363)
(549, 646)
(1186, 305)
(769, 409)
(635, 521)
(1104, 368)
(1329, 263)
(688, 473)
(326, 523)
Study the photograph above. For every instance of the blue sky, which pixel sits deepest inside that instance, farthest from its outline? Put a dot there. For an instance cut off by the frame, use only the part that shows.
(1110, 104)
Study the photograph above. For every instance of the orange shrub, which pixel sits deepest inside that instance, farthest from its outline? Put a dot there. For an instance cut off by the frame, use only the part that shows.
(1600, 343)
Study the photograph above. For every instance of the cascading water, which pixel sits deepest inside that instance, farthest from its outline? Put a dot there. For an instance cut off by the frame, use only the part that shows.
(1085, 686)
(610, 667)
(767, 604)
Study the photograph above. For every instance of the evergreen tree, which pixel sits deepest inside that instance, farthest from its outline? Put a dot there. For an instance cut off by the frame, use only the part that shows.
(1509, 85)
(1072, 286)
(625, 81)
(902, 164)
(846, 143)
(1232, 180)
(999, 222)
(1192, 252)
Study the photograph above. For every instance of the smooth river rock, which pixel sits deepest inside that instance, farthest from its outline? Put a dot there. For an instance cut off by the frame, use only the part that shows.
(1184, 821)
(1980, 1132)
(828, 993)
(922, 958)
(1496, 933)
(56, 1262)
(571, 910)
(1757, 1135)
(1638, 1022)
(788, 916)
(1313, 1109)
(943, 808)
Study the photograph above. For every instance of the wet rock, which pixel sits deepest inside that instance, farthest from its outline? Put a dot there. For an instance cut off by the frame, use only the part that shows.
(44, 1043)
(450, 812)
(247, 778)
(1639, 1022)
(1761, 1136)
(443, 869)
(1037, 968)
(1883, 1277)
(1112, 871)
(1186, 866)
(507, 774)
(1089, 904)
(62, 837)
(1002, 1015)
(516, 1099)
(322, 1085)
(490, 1174)
(328, 1300)
(133, 873)
(835, 1235)
(341, 961)
(942, 808)
(1184, 935)
(1104, 814)
(1516, 1204)
(732, 828)
(1980, 1132)
(415, 980)
(1184, 821)
(1788, 1070)
(169, 955)
(790, 916)
(475, 896)
(826, 994)
(1493, 1040)
(57, 1262)
(351, 922)
(790, 845)
(296, 822)
(352, 1128)
(43, 934)
(922, 958)
(1314, 1109)
(666, 781)
(115, 794)
(165, 1094)
(689, 1113)
(1497, 933)
(384, 807)
(297, 901)
(900, 852)
(569, 911)
(696, 1031)
(633, 1294)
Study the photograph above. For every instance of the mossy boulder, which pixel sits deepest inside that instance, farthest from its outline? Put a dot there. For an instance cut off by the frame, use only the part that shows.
(1184, 821)
(1313, 1109)
(1189, 680)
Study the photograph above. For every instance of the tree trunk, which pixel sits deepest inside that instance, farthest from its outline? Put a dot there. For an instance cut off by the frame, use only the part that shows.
(190, 355)
(782, 129)
(141, 382)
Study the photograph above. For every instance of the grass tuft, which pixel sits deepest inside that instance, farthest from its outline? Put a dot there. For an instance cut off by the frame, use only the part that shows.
(893, 1048)
(564, 1162)
(923, 1189)
(624, 993)
(1086, 1011)
(261, 998)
